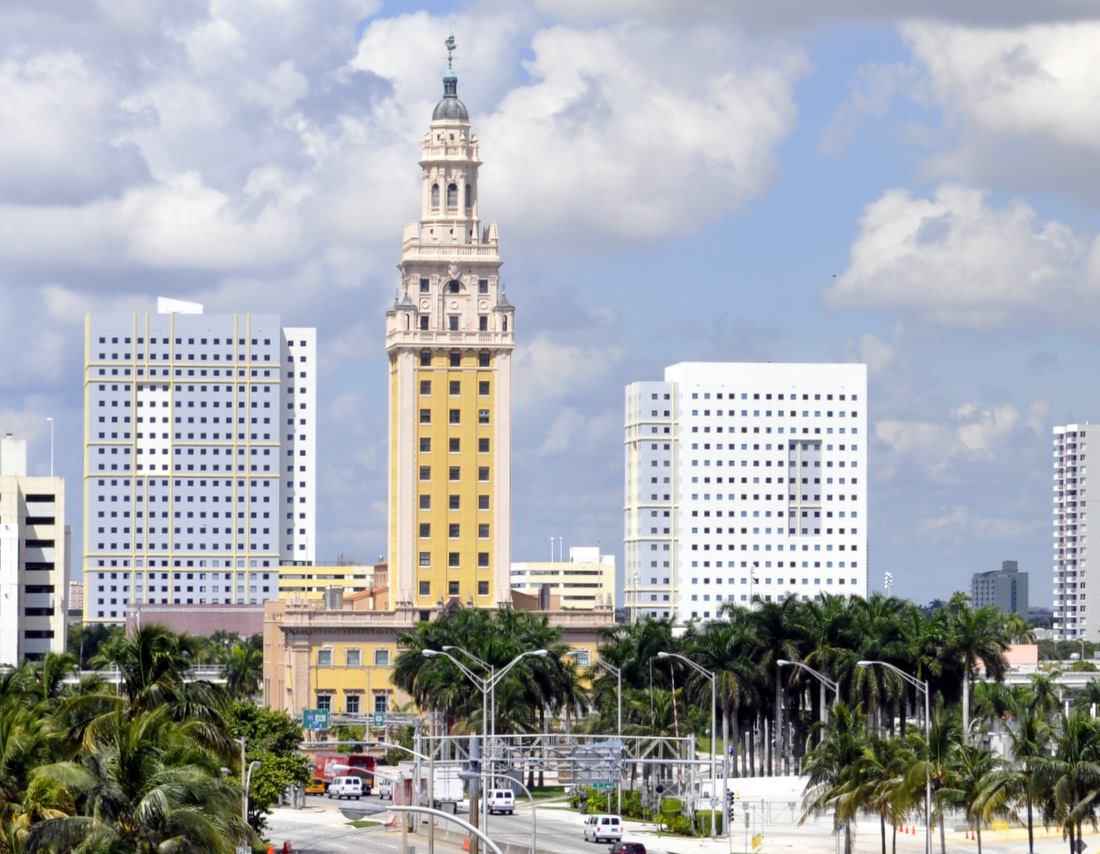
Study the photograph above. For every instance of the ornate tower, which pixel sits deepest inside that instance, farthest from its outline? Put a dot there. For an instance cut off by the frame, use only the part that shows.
(450, 336)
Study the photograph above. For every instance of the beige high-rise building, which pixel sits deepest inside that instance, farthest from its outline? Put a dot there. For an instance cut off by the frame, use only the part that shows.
(449, 337)
(34, 558)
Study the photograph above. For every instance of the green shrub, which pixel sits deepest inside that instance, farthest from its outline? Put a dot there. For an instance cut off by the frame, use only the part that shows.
(678, 824)
(702, 822)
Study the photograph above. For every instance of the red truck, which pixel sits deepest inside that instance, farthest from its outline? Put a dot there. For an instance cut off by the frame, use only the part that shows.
(326, 766)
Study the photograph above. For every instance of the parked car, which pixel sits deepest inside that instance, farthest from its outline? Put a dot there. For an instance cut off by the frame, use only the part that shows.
(316, 786)
(603, 827)
(621, 847)
(385, 788)
(501, 800)
(345, 787)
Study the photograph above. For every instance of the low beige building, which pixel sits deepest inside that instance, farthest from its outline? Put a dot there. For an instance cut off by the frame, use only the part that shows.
(307, 582)
(338, 653)
(585, 581)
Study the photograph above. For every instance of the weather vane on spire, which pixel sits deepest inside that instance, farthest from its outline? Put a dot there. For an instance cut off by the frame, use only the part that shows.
(450, 43)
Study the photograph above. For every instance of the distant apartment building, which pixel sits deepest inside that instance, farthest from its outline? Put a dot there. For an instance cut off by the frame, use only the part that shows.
(1074, 508)
(586, 580)
(1004, 588)
(744, 480)
(199, 457)
(34, 558)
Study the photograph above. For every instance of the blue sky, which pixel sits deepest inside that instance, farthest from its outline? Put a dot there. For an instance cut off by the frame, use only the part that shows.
(905, 183)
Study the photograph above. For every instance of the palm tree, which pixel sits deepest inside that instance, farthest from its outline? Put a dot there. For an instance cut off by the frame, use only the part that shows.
(936, 762)
(780, 633)
(833, 770)
(879, 782)
(141, 783)
(244, 671)
(1071, 777)
(975, 634)
(973, 786)
(1029, 735)
(727, 649)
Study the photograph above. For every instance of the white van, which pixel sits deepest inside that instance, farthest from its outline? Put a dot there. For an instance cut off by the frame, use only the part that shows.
(607, 828)
(385, 788)
(346, 787)
(501, 800)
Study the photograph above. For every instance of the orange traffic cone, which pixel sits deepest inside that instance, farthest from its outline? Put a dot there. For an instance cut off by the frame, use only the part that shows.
(270, 849)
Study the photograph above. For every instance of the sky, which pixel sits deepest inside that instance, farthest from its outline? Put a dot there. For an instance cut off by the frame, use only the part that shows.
(907, 183)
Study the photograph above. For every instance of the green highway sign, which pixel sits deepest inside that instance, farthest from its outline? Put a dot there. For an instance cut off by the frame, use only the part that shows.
(379, 718)
(603, 785)
(314, 718)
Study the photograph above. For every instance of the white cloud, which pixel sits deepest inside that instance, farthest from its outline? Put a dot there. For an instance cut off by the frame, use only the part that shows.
(960, 261)
(942, 450)
(546, 371)
(663, 130)
(1036, 80)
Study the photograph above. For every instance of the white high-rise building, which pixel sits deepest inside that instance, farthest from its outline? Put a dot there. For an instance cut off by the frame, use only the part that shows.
(34, 558)
(199, 457)
(1074, 506)
(743, 480)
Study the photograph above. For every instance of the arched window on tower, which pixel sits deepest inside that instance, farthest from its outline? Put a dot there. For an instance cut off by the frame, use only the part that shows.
(469, 197)
(453, 286)
(435, 195)
(504, 327)
(452, 195)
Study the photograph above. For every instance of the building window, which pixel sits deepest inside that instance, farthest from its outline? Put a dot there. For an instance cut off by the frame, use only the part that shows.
(324, 702)
(456, 360)
(425, 472)
(483, 360)
(453, 286)
(354, 657)
(483, 531)
(425, 355)
(425, 445)
(324, 658)
(455, 388)
(482, 559)
(452, 323)
(454, 416)
(483, 416)
(453, 445)
(452, 559)
(424, 322)
(483, 323)
(381, 658)
(425, 386)
(435, 200)
(483, 388)
(425, 530)
(483, 473)
(452, 530)
(483, 446)
(453, 502)
(425, 502)
(582, 658)
(483, 588)
(380, 703)
(483, 502)
(425, 588)
(425, 416)
(452, 588)
(483, 286)
(351, 704)
(425, 559)
(452, 473)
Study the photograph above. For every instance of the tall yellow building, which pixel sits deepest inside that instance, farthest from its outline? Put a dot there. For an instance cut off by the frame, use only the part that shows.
(449, 337)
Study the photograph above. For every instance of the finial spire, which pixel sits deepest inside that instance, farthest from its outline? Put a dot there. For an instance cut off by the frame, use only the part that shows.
(450, 44)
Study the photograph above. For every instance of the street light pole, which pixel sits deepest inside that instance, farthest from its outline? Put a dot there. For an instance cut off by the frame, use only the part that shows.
(488, 688)
(618, 674)
(247, 786)
(921, 685)
(713, 731)
(825, 681)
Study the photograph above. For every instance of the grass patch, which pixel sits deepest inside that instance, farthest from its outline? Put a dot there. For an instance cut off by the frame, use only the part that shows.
(541, 792)
(362, 822)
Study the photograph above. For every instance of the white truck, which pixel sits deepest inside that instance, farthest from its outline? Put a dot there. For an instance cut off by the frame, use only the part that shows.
(448, 787)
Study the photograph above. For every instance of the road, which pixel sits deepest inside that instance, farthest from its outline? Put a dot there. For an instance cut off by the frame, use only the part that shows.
(322, 829)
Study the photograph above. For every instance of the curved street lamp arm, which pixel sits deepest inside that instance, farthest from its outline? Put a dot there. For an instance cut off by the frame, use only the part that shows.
(473, 677)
